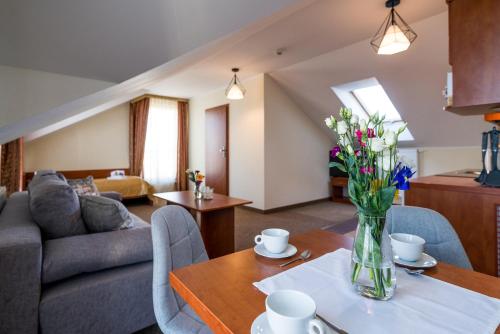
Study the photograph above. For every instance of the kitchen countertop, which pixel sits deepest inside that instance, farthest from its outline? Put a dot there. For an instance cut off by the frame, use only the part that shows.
(464, 184)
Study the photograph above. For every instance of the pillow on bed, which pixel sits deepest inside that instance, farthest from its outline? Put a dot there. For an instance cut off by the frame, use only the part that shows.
(84, 186)
(102, 214)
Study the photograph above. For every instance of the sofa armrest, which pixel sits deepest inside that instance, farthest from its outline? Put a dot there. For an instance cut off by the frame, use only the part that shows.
(113, 195)
(20, 267)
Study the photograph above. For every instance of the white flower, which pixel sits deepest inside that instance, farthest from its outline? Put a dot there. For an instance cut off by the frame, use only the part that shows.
(342, 128)
(390, 138)
(384, 161)
(349, 149)
(362, 125)
(329, 122)
(343, 141)
(354, 119)
(376, 145)
(402, 128)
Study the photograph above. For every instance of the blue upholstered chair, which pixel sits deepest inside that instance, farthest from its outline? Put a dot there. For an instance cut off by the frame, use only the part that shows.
(441, 240)
(176, 243)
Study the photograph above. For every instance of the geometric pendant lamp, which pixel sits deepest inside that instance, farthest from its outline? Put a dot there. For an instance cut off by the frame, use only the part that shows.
(394, 35)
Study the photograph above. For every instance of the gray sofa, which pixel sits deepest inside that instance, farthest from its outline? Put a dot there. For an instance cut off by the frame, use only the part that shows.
(89, 283)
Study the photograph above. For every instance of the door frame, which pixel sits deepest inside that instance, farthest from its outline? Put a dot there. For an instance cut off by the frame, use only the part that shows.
(226, 106)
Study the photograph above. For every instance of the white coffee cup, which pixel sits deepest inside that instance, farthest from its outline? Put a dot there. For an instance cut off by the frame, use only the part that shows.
(274, 239)
(407, 247)
(292, 312)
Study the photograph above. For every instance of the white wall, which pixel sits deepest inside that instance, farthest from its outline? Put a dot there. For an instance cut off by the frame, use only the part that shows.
(246, 139)
(278, 156)
(436, 160)
(24, 93)
(99, 142)
(296, 152)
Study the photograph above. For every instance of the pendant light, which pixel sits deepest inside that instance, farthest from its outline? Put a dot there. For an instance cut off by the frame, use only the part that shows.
(235, 90)
(394, 35)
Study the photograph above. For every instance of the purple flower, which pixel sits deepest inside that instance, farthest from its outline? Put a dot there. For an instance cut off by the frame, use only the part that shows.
(366, 170)
(370, 133)
(335, 151)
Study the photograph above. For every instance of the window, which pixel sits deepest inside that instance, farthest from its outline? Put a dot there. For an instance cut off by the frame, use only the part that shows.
(160, 151)
(366, 97)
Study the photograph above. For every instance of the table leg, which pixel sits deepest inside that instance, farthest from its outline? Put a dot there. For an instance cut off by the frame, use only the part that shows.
(217, 231)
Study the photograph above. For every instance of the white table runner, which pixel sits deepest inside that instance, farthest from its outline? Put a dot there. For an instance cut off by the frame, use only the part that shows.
(421, 304)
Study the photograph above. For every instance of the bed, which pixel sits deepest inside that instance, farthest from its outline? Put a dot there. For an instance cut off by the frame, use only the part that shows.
(130, 187)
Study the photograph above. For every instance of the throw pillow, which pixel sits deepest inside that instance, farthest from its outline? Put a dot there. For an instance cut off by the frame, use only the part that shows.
(55, 207)
(84, 186)
(3, 197)
(102, 214)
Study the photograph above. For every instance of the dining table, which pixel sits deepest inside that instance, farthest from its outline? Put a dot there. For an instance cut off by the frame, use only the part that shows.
(222, 293)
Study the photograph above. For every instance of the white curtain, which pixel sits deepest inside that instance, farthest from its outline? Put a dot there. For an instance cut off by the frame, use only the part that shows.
(160, 152)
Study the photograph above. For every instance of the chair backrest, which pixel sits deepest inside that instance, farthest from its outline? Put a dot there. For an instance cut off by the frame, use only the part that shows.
(176, 243)
(441, 240)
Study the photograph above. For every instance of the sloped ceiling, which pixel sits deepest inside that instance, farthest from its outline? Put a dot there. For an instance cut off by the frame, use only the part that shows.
(321, 27)
(414, 81)
(326, 44)
(114, 40)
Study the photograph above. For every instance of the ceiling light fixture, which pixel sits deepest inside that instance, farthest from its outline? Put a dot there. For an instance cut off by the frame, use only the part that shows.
(394, 35)
(235, 90)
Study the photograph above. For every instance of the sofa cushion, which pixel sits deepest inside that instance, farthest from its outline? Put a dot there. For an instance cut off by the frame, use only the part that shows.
(84, 186)
(102, 214)
(66, 257)
(55, 207)
(113, 301)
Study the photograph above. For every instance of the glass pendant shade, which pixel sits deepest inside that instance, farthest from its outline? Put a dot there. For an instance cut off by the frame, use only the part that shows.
(394, 41)
(235, 90)
(393, 36)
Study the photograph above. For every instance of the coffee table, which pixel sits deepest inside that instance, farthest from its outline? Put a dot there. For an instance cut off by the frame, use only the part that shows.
(215, 218)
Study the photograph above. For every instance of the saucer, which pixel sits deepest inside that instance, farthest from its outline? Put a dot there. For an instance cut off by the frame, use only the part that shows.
(290, 250)
(261, 326)
(425, 261)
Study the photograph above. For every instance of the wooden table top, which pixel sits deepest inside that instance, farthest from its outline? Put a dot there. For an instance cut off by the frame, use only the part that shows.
(222, 294)
(187, 200)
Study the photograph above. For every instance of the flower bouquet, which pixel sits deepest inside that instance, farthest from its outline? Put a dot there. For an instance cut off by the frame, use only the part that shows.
(368, 153)
(197, 178)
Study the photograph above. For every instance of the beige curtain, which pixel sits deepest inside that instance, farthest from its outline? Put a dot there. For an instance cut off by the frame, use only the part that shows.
(138, 123)
(12, 165)
(182, 145)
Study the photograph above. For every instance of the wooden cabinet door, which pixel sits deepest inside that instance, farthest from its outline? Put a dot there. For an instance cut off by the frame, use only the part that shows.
(475, 51)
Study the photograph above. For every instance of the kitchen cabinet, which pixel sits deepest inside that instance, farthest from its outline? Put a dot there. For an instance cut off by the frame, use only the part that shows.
(474, 54)
(472, 210)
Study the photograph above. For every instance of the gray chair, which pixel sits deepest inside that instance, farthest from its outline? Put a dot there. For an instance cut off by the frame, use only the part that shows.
(176, 243)
(441, 240)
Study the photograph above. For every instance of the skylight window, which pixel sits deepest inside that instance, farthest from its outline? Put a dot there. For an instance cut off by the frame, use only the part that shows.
(366, 97)
(373, 99)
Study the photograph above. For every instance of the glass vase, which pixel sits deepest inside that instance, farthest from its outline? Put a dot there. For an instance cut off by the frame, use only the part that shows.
(197, 192)
(373, 273)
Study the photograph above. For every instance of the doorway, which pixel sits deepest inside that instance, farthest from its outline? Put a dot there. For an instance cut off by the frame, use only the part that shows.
(217, 149)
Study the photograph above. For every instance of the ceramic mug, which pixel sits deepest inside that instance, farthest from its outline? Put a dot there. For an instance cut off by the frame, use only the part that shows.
(407, 247)
(275, 240)
(292, 312)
